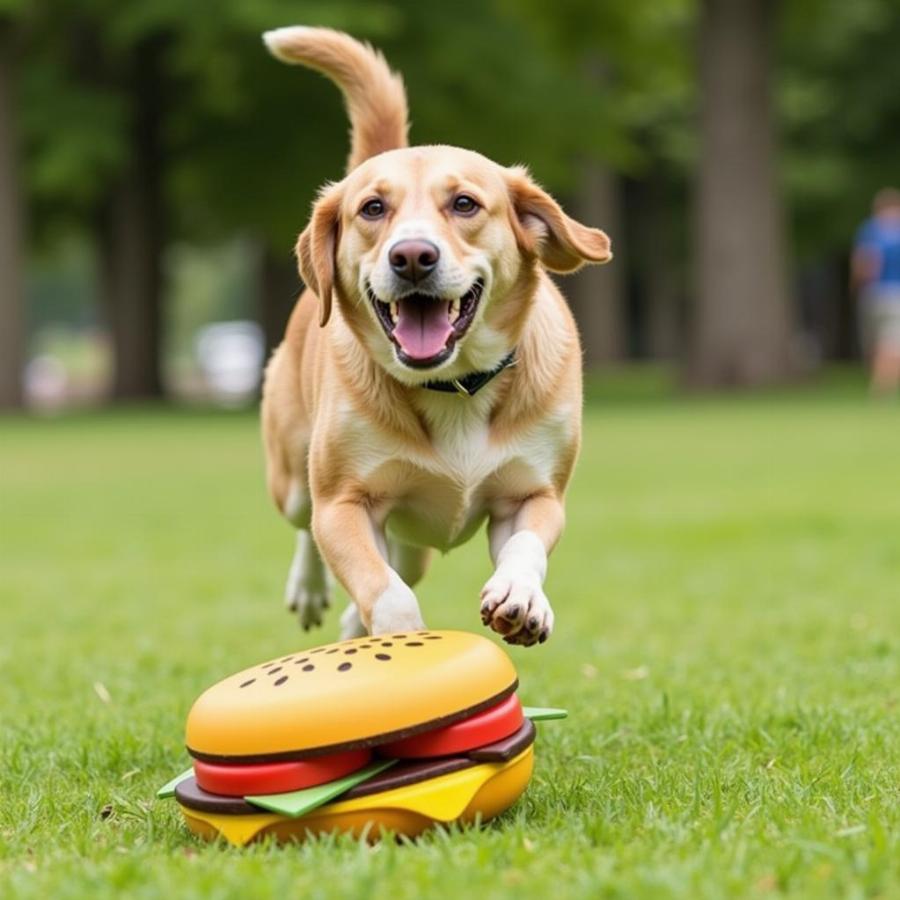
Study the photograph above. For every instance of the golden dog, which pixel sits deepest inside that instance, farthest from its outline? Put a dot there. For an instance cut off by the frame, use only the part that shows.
(430, 376)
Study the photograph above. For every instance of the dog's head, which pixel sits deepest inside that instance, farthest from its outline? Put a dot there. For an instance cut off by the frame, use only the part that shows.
(432, 254)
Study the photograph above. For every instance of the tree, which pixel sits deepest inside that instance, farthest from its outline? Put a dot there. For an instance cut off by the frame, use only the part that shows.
(741, 321)
(99, 83)
(656, 232)
(12, 228)
(598, 294)
(132, 233)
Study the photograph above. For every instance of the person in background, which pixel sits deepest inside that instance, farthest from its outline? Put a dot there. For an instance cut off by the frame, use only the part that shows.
(875, 277)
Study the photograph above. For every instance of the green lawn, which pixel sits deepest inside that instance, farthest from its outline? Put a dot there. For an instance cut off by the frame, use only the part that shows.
(728, 609)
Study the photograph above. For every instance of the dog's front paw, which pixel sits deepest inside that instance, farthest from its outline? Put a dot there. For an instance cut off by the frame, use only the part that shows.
(516, 607)
(396, 610)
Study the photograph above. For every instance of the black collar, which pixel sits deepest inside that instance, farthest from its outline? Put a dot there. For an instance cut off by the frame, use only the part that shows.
(469, 385)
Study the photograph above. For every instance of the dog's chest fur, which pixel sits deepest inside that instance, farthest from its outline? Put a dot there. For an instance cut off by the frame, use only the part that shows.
(439, 493)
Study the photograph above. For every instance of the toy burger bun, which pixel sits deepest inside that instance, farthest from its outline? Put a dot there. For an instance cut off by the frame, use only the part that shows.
(397, 732)
(349, 695)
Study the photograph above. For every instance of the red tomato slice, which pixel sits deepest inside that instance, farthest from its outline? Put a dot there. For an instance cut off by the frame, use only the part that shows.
(493, 724)
(239, 780)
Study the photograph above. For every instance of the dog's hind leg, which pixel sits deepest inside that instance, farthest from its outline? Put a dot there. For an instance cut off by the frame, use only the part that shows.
(308, 587)
(308, 590)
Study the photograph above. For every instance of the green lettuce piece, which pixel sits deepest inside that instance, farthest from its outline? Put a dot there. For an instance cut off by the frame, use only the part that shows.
(168, 789)
(298, 803)
(543, 713)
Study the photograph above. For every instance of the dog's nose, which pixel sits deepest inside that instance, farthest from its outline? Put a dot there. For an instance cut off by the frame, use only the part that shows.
(413, 260)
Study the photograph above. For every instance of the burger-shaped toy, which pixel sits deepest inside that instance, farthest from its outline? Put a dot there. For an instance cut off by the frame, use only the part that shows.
(397, 732)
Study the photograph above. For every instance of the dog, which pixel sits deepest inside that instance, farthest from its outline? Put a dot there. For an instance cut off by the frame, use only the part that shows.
(430, 376)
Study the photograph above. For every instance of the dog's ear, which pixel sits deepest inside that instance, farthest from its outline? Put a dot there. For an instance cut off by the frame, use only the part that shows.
(542, 229)
(317, 246)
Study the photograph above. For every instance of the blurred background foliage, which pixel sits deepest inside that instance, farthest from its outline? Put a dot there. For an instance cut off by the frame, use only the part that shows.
(156, 166)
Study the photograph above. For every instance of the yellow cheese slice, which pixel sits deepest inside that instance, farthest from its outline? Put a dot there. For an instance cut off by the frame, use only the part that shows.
(442, 799)
(237, 830)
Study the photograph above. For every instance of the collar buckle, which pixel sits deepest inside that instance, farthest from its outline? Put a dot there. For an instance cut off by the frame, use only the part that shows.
(469, 385)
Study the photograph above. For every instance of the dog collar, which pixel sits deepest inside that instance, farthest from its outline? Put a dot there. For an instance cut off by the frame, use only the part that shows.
(471, 384)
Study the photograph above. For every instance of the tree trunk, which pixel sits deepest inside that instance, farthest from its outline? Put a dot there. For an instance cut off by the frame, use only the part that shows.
(742, 321)
(660, 273)
(12, 234)
(279, 287)
(597, 294)
(133, 239)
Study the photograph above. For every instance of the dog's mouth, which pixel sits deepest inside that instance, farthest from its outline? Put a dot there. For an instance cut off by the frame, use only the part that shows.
(425, 328)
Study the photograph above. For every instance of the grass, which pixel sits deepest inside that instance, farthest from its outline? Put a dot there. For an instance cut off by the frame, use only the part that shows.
(727, 636)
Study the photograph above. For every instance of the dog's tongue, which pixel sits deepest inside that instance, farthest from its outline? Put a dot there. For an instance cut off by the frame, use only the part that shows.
(423, 327)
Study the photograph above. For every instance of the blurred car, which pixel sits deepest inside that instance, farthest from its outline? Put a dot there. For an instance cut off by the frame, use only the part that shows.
(230, 358)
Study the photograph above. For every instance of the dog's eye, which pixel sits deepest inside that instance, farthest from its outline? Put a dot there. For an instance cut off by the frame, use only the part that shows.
(465, 205)
(372, 209)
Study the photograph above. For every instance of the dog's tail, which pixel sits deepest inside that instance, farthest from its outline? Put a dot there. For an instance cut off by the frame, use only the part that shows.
(375, 96)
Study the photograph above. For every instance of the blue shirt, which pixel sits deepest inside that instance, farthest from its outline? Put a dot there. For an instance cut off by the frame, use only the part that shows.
(882, 237)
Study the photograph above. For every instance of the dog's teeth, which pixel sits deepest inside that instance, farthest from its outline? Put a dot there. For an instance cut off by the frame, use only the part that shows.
(455, 307)
(395, 312)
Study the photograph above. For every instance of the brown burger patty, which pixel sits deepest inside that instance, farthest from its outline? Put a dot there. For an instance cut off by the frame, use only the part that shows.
(362, 743)
(506, 748)
(401, 774)
(189, 794)
(410, 771)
